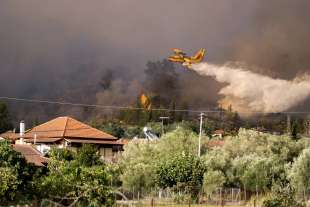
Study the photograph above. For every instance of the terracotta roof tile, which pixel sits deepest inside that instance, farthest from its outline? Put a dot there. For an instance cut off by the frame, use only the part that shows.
(67, 127)
(31, 154)
(10, 135)
(94, 141)
(42, 140)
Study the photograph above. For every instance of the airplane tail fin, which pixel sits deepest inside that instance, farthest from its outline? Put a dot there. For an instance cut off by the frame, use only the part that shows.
(199, 55)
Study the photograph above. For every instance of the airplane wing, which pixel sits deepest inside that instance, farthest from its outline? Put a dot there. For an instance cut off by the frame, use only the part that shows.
(176, 59)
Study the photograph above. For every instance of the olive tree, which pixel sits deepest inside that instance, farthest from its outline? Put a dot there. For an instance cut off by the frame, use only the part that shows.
(213, 180)
(142, 159)
(299, 173)
(181, 171)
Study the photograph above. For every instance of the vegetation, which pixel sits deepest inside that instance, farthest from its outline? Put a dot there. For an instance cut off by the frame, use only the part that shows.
(70, 179)
(181, 171)
(81, 181)
(5, 119)
(17, 177)
(147, 164)
(282, 196)
(250, 160)
(276, 166)
(299, 172)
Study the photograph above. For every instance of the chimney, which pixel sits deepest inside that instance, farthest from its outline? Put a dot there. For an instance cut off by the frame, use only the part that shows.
(22, 131)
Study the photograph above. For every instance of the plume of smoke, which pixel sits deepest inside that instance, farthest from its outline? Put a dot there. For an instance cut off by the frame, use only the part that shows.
(250, 92)
(120, 93)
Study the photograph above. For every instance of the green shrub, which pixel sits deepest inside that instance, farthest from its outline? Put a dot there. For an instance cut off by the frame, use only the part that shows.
(282, 196)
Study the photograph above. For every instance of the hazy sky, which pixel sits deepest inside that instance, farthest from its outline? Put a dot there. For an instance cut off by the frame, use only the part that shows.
(43, 44)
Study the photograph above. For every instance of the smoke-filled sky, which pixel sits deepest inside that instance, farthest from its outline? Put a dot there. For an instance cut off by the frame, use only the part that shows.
(251, 92)
(48, 48)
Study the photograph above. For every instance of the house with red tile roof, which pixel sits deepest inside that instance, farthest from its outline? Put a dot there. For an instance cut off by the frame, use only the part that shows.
(66, 132)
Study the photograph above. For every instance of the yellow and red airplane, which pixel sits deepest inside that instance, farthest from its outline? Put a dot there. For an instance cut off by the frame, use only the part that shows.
(180, 57)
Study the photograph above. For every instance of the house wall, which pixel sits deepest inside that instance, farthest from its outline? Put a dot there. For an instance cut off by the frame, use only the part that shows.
(106, 153)
(45, 147)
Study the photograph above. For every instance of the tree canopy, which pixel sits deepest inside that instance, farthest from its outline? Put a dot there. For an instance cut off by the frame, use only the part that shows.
(82, 180)
(5, 119)
(16, 176)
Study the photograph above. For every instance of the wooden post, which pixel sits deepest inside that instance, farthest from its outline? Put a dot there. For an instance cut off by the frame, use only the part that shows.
(232, 195)
(152, 202)
(221, 194)
(256, 191)
(254, 202)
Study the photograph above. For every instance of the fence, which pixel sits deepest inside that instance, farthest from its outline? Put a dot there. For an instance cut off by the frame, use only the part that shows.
(169, 197)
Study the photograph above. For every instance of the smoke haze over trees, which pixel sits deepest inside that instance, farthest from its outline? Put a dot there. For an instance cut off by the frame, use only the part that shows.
(77, 51)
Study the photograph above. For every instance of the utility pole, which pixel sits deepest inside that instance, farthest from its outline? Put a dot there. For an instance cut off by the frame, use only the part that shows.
(162, 123)
(200, 134)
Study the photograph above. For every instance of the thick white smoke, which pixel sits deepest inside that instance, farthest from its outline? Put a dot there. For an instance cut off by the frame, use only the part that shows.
(250, 92)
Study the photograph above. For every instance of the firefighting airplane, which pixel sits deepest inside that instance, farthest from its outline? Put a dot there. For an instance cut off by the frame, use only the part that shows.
(181, 57)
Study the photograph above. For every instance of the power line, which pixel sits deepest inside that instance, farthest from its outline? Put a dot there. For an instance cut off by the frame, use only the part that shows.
(136, 108)
(103, 106)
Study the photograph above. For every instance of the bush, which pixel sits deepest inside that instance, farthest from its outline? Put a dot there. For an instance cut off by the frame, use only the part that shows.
(182, 169)
(213, 180)
(60, 154)
(88, 155)
(113, 129)
(282, 196)
(181, 198)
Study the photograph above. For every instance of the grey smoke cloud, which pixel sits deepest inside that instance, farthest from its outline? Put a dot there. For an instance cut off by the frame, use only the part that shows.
(246, 91)
(48, 47)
